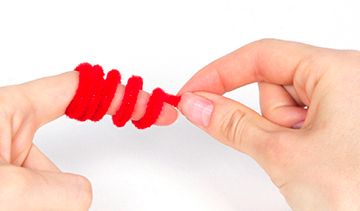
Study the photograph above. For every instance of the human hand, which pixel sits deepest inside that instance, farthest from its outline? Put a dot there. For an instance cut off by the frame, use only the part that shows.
(312, 155)
(28, 179)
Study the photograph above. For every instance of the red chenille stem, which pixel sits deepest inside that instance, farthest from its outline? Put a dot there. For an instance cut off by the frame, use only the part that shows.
(94, 95)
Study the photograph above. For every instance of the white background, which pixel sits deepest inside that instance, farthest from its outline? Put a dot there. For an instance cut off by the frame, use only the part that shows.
(168, 168)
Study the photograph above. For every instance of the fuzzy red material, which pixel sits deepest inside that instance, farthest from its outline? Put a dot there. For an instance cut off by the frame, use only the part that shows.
(110, 85)
(94, 95)
(153, 109)
(77, 105)
(95, 91)
(132, 89)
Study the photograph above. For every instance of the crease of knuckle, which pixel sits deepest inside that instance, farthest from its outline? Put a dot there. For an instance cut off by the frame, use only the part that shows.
(310, 70)
(303, 76)
(6, 108)
(233, 127)
(264, 42)
(352, 58)
(4, 113)
(302, 71)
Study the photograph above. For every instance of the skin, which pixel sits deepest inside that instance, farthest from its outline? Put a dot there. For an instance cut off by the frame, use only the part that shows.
(312, 155)
(28, 179)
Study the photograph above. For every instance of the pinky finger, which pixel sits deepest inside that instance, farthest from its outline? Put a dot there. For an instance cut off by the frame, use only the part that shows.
(278, 106)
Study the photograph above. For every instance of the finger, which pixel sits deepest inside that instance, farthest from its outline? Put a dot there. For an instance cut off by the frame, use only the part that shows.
(37, 160)
(167, 116)
(22, 142)
(51, 96)
(278, 106)
(234, 124)
(5, 137)
(294, 95)
(39, 190)
(272, 61)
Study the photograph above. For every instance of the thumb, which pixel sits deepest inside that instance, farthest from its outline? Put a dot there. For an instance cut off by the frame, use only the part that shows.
(43, 190)
(233, 124)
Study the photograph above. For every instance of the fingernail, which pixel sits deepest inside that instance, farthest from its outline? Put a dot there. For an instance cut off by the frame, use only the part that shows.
(298, 125)
(197, 109)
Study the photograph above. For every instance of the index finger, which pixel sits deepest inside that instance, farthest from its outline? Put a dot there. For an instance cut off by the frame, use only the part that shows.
(268, 60)
(51, 96)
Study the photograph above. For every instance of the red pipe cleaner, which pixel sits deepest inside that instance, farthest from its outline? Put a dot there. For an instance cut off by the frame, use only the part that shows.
(108, 92)
(127, 106)
(94, 95)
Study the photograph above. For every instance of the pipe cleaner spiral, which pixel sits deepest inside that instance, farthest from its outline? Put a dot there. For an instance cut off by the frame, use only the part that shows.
(94, 95)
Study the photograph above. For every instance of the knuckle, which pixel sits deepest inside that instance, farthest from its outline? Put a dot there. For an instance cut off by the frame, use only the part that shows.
(264, 41)
(352, 58)
(6, 105)
(264, 46)
(305, 66)
(4, 114)
(233, 127)
(84, 192)
(352, 53)
(312, 68)
(309, 71)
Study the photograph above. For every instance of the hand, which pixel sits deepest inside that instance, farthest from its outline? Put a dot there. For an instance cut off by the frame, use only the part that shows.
(28, 179)
(312, 155)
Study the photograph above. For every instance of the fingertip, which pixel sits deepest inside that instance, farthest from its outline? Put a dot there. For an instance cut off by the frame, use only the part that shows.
(183, 102)
(167, 116)
(196, 108)
(290, 116)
